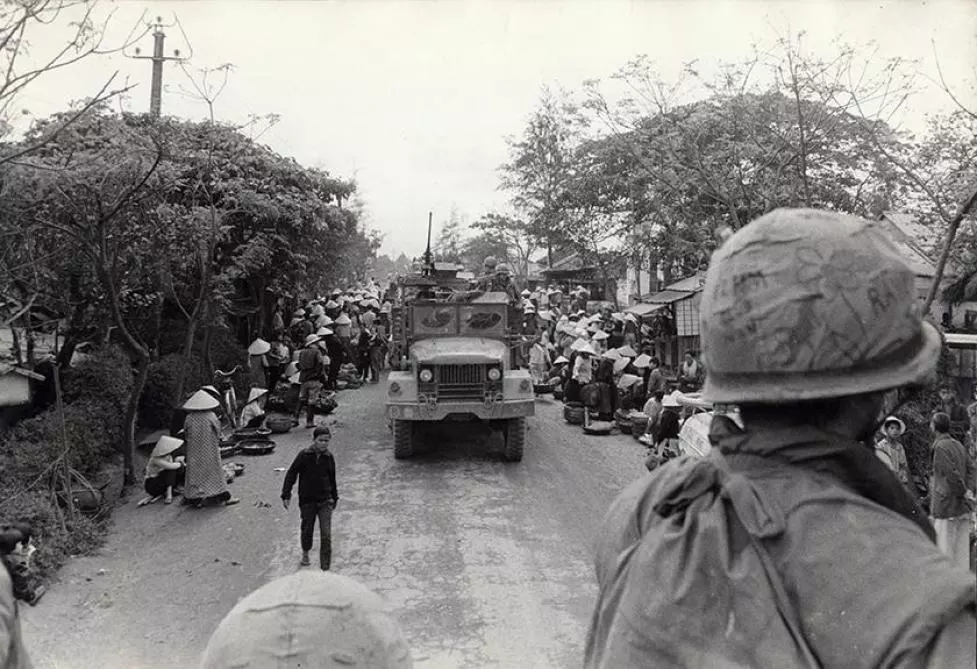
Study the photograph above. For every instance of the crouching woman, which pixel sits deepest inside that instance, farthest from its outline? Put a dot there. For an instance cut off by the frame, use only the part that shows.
(165, 470)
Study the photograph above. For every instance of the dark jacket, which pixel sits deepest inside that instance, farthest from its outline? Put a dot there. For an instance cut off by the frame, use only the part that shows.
(310, 364)
(315, 470)
(949, 485)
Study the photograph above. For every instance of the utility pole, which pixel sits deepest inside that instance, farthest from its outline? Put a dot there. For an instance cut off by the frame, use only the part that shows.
(156, 91)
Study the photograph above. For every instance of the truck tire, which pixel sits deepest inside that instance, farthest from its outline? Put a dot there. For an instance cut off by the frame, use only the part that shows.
(515, 438)
(403, 439)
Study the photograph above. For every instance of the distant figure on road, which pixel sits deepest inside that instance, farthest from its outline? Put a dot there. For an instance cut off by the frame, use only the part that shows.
(312, 373)
(309, 620)
(950, 497)
(790, 544)
(315, 469)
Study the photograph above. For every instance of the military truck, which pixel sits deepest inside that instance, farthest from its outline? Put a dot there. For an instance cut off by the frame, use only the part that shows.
(455, 362)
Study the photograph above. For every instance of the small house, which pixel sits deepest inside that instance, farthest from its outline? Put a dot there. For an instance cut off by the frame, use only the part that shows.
(15, 384)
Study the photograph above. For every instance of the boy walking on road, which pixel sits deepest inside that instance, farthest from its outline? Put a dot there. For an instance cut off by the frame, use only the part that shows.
(315, 469)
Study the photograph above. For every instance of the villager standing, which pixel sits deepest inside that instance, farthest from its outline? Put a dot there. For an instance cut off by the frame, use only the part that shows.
(950, 503)
(258, 363)
(890, 450)
(790, 544)
(277, 357)
(205, 481)
(311, 375)
(951, 406)
(315, 469)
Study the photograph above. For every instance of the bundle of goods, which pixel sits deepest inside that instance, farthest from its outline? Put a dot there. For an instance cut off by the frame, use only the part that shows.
(326, 404)
(232, 470)
(280, 424)
(599, 427)
(623, 421)
(557, 393)
(542, 388)
(573, 413)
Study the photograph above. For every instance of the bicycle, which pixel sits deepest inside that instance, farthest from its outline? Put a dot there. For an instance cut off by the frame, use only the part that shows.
(224, 382)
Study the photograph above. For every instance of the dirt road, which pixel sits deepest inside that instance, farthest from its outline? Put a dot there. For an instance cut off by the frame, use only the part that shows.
(488, 564)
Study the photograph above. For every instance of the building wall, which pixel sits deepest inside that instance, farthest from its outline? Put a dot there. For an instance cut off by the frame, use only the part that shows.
(14, 390)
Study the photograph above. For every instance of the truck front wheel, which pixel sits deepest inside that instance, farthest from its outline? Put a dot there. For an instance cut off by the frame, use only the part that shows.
(403, 439)
(515, 438)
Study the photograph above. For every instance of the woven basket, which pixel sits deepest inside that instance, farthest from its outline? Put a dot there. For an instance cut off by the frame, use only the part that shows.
(228, 451)
(251, 433)
(573, 414)
(280, 425)
(639, 423)
(599, 427)
(542, 388)
(623, 424)
(256, 447)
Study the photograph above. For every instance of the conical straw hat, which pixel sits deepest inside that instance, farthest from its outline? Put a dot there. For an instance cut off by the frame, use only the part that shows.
(256, 393)
(620, 364)
(627, 351)
(642, 361)
(201, 401)
(165, 446)
(259, 347)
(311, 339)
(600, 335)
(560, 361)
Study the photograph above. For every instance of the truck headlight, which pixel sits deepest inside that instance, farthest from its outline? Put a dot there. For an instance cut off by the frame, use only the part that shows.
(426, 376)
(394, 388)
(494, 374)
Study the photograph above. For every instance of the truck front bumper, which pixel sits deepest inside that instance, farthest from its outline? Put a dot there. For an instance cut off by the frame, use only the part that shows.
(440, 411)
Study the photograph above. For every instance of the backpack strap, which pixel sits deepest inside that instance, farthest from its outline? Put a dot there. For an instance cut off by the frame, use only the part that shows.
(784, 606)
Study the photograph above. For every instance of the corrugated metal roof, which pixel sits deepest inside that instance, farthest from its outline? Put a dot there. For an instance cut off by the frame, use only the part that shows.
(669, 296)
(690, 283)
(644, 309)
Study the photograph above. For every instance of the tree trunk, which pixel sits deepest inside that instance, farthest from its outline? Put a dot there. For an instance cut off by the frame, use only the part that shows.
(951, 234)
(185, 354)
(132, 410)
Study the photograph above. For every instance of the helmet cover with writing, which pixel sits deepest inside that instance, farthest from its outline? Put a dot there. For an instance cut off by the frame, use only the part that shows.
(804, 304)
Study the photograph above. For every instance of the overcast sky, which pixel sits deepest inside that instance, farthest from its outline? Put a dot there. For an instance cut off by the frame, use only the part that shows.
(415, 99)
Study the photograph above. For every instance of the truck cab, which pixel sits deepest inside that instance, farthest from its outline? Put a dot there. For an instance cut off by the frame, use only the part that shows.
(456, 365)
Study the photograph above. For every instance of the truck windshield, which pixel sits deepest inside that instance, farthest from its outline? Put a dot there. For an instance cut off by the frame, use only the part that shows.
(435, 320)
(483, 320)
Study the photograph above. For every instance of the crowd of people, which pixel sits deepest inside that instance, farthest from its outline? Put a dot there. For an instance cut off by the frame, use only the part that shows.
(793, 543)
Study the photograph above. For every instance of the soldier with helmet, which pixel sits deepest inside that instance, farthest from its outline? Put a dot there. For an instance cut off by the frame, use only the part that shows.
(790, 544)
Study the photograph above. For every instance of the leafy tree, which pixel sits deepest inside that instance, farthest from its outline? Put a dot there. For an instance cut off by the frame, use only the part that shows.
(540, 168)
(513, 239)
(449, 243)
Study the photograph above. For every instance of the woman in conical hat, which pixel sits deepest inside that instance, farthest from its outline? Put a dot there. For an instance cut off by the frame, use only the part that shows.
(205, 476)
(257, 361)
(253, 413)
(165, 471)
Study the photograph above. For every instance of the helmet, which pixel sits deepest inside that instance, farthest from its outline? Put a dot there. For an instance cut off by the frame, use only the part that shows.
(502, 269)
(804, 304)
(490, 262)
(308, 619)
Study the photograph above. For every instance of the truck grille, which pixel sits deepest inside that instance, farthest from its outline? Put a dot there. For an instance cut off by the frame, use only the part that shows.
(461, 382)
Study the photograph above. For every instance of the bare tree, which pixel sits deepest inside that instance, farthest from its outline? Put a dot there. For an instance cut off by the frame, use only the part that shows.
(19, 21)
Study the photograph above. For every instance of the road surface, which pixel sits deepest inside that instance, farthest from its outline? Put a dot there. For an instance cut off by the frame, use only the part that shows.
(488, 564)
